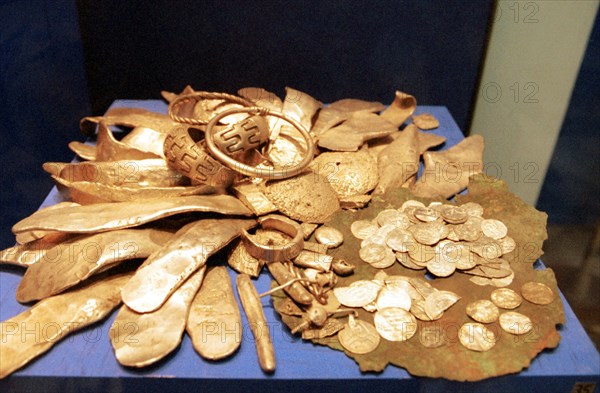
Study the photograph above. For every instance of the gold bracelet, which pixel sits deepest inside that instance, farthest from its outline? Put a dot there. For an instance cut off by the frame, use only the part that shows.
(188, 157)
(197, 96)
(266, 173)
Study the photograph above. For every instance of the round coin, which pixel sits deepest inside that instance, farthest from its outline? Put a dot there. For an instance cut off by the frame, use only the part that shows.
(506, 298)
(426, 214)
(417, 309)
(454, 214)
(438, 302)
(503, 282)
(473, 209)
(421, 253)
(393, 297)
(358, 336)
(476, 337)
(507, 244)
(329, 236)
(362, 229)
(392, 217)
(406, 261)
(494, 228)
(483, 311)
(515, 323)
(411, 202)
(372, 253)
(357, 294)
(426, 233)
(537, 293)
(389, 258)
(441, 267)
(400, 240)
(395, 324)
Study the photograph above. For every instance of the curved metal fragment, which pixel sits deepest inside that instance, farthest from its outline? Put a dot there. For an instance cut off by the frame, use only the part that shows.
(358, 129)
(307, 197)
(447, 172)
(110, 149)
(128, 117)
(400, 109)
(399, 161)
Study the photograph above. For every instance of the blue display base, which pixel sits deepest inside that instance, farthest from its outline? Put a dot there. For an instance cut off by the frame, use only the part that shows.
(85, 360)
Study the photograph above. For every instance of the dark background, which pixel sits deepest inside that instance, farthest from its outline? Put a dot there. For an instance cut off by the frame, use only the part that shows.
(62, 60)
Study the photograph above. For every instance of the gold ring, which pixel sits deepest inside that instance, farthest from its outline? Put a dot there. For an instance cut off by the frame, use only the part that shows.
(265, 173)
(197, 96)
(270, 253)
(188, 157)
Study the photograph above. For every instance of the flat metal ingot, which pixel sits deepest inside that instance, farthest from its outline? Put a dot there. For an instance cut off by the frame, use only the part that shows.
(130, 173)
(214, 322)
(142, 339)
(54, 318)
(248, 134)
(185, 253)
(29, 253)
(71, 262)
(86, 193)
(102, 217)
(447, 172)
(257, 321)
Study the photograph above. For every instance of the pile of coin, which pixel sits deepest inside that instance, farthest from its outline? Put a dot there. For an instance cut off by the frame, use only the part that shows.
(441, 238)
(397, 302)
